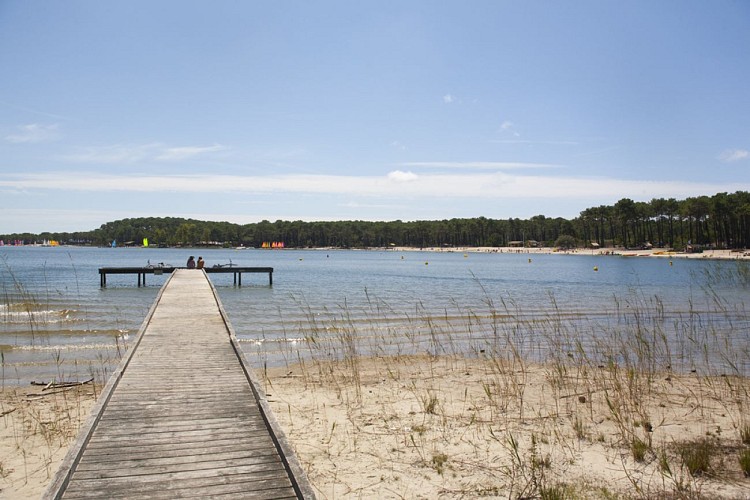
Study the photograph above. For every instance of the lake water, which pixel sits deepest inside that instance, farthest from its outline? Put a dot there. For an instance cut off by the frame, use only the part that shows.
(56, 321)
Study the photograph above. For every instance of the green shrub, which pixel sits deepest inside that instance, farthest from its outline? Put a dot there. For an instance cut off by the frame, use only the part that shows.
(639, 449)
(745, 462)
(696, 455)
(555, 492)
(438, 462)
(565, 242)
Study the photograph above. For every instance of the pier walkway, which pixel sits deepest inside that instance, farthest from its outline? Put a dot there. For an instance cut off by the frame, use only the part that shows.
(183, 415)
(159, 270)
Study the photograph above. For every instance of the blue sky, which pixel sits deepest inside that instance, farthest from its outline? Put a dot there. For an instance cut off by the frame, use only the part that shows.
(244, 111)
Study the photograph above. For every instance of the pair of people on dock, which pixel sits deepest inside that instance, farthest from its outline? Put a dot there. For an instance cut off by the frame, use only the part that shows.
(191, 264)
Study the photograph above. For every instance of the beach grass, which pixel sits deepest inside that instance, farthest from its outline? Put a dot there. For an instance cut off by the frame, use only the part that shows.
(495, 402)
(37, 425)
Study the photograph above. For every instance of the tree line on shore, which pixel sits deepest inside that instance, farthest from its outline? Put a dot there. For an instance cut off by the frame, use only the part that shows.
(718, 221)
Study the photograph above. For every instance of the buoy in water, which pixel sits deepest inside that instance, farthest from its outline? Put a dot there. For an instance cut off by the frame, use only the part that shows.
(670, 262)
(426, 263)
(596, 268)
(529, 261)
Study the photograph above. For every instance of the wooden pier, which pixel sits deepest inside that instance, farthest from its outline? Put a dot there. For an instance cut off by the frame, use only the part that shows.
(182, 415)
(158, 270)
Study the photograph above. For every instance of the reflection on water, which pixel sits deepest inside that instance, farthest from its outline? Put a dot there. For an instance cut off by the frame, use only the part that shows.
(56, 322)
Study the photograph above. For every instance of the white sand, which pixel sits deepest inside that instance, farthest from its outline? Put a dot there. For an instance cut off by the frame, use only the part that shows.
(35, 432)
(653, 252)
(420, 427)
(427, 427)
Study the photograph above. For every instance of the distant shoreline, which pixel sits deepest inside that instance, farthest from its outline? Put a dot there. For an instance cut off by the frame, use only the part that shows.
(737, 254)
(654, 252)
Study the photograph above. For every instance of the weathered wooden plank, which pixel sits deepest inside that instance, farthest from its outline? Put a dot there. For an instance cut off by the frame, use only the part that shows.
(147, 416)
(127, 468)
(237, 398)
(185, 452)
(178, 410)
(177, 464)
(162, 430)
(105, 454)
(205, 376)
(130, 416)
(217, 467)
(218, 392)
(172, 480)
(178, 421)
(226, 439)
(239, 401)
(189, 392)
(189, 395)
(205, 435)
(260, 485)
(101, 450)
(145, 434)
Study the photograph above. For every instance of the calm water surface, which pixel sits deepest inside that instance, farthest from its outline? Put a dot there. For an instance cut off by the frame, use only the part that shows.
(56, 322)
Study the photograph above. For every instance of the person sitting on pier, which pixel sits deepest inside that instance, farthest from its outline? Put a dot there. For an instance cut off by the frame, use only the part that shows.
(191, 262)
(201, 262)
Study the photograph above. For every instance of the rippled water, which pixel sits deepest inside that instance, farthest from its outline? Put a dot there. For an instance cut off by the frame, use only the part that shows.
(56, 321)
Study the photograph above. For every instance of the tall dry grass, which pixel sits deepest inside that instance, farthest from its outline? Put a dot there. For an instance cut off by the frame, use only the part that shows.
(545, 388)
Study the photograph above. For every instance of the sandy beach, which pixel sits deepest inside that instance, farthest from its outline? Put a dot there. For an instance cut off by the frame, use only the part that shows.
(37, 427)
(446, 427)
(455, 427)
(652, 252)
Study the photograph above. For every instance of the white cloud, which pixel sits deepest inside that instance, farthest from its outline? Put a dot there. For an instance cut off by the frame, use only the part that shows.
(447, 99)
(185, 152)
(320, 197)
(508, 127)
(525, 141)
(471, 185)
(117, 153)
(399, 176)
(134, 153)
(379, 206)
(34, 133)
(488, 165)
(731, 155)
